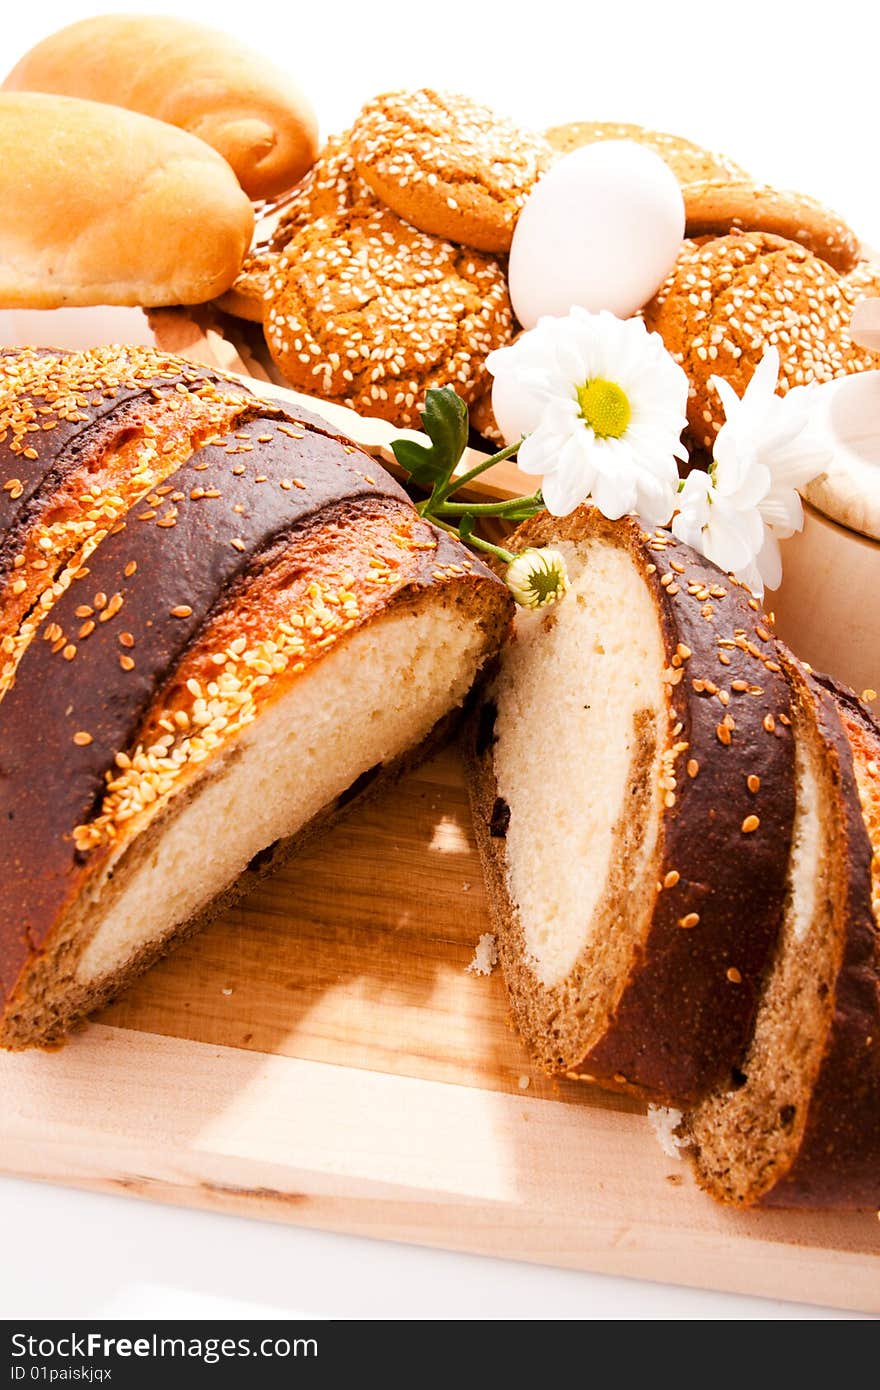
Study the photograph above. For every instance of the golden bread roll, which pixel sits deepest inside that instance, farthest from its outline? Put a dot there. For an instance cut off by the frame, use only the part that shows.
(103, 206)
(190, 76)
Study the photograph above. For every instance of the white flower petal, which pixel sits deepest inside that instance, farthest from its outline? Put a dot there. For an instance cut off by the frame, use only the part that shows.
(516, 405)
(655, 500)
(784, 513)
(565, 490)
(540, 451)
(766, 450)
(535, 392)
(760, 390)
(769, 562)
(731, 539)
(750, 575)
(614, 497)
(729, 398)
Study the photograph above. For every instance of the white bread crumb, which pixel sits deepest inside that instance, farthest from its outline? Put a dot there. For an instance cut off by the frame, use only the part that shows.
(485, 956)
(664, 1121)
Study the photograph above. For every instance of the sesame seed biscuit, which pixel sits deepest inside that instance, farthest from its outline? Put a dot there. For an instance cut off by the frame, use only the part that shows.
(689, 163)
(332, 186)
(730, 297)
(365, 310)
(715, 209)
(244, 300)
(862, 282)
(448, 165)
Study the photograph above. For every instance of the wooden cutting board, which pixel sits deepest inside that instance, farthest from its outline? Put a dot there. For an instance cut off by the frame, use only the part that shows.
(321, 1055)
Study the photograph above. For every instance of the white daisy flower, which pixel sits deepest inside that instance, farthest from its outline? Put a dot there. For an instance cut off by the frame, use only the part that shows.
(602, 406)
(537, 578)
(738, 511)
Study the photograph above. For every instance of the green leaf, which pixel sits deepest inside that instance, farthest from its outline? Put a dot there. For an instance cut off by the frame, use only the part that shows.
(419, 461)
(466, 526)
(445, 422)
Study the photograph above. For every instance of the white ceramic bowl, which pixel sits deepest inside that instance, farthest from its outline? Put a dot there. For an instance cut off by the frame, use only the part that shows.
(828, 607)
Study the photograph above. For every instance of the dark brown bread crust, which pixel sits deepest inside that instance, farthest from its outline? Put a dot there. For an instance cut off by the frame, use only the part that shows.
(682, 1019)
(48, 784)
(72, 437)
(838, 1161)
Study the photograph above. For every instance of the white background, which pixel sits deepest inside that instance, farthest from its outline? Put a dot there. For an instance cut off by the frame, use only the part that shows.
(790, 91)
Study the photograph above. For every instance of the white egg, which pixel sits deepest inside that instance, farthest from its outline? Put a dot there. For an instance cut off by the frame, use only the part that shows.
(601, 229)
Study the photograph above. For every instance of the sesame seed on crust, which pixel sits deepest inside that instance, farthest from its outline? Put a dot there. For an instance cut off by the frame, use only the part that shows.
(226, 678)
(69, 526)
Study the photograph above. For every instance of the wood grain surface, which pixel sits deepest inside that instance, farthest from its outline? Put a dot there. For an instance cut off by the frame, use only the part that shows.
(321, 1055)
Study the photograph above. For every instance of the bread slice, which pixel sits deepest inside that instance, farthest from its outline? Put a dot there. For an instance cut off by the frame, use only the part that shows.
(798, 1123)
(231, 666)
(632, 780)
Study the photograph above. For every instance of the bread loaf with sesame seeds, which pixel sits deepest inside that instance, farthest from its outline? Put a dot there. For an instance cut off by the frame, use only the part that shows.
(104, 206)
(245, 624)
(84, 434)
(632, 781)
(797, 1122)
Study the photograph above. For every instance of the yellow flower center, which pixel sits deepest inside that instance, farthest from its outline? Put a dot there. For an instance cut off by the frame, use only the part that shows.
(605, 407)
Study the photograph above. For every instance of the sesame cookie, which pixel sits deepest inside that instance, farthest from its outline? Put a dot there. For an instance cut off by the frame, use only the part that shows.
(714, 209)
(330, 187)
(729, 297)
(862, 282)
(447, 165)
(689, 163)
(365, 310)
(244, 299)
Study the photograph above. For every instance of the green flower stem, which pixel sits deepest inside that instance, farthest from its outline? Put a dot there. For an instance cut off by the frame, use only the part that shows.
(455, 483)
(506, 556)
(511, 507)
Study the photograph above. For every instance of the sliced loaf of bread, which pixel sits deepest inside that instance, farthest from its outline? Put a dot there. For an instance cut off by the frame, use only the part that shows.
(632, 780)
(220, 624)
(798, 1122)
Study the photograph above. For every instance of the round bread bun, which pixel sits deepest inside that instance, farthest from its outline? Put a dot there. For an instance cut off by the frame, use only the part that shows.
(191, 76)
(104, 206)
